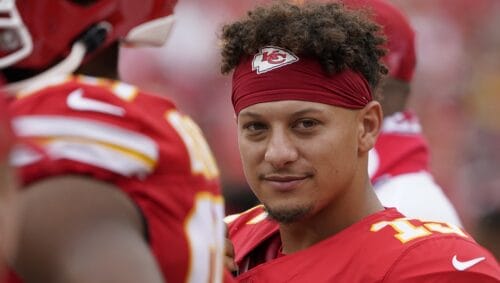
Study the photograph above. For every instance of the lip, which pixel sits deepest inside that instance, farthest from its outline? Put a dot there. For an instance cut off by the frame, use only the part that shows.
(284, 183)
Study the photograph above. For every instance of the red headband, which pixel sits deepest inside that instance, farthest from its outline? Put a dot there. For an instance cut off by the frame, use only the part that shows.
(277, 74)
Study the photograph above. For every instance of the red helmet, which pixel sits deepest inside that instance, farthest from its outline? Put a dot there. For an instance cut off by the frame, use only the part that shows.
(400, 58)
(34, 34)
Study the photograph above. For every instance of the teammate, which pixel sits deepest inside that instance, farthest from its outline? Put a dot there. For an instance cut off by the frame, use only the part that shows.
(399, 163)
(302, 91)
(118, 185)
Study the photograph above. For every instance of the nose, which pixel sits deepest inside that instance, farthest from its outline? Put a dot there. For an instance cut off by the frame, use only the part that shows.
(281, 150)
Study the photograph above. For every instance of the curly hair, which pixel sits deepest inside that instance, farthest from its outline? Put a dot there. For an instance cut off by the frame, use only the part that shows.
(339, 38)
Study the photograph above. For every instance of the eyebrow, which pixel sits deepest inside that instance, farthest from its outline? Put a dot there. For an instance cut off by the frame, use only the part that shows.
(298, 113)
(249, 114)
(307, 111)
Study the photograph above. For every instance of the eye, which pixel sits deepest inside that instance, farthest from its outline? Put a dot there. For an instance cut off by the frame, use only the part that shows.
(306, 124)
(254, 127)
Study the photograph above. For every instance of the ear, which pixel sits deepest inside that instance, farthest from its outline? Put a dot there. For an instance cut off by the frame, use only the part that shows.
(370, 122)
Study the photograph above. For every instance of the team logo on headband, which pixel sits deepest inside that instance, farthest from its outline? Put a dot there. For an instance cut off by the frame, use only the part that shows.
(270, 58)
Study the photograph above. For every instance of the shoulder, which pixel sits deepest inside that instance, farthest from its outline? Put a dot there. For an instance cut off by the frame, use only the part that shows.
(446, 259)
(105, 124)
(97, 99)
(413, 193)
(435, 251)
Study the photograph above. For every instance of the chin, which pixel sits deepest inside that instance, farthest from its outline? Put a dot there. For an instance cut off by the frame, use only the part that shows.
(287, 214)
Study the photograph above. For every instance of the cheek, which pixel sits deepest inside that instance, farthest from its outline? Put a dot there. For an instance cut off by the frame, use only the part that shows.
(335, 156)
(245, 148)
(249, 157)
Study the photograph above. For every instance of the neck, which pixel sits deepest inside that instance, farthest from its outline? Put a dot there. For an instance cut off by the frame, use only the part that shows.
(103, 64)
(345, 211)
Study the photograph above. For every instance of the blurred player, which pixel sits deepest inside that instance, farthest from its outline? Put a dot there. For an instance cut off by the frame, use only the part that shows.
(118, 185)
(302, 91)
(399, 163)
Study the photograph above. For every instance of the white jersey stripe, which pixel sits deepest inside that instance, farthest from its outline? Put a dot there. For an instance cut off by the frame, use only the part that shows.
(93, 154)
(44, 126)
(397, 123)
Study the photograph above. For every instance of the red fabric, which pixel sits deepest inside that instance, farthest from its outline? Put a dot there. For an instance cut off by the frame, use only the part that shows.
(400, 149)
(400, 58)
(50, 45)
(366, 251)
(303, 80)
(11, 277)
(169, 195)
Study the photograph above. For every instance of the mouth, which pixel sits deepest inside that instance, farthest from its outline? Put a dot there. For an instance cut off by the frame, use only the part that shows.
(285, 183)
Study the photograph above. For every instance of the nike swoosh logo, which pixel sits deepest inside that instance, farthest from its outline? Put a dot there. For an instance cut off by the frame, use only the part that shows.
(463, 265)
(77, 101)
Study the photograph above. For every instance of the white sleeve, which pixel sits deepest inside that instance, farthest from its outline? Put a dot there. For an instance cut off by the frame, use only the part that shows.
(416, 195)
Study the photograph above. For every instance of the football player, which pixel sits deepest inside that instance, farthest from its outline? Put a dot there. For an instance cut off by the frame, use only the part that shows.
(302, 91)
(118, 185)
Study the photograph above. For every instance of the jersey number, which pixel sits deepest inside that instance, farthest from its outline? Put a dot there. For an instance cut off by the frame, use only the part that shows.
(406, 231)
(202, 160)
(205, 230)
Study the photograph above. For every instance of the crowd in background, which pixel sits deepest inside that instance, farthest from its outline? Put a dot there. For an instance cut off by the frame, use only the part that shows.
(455, 92)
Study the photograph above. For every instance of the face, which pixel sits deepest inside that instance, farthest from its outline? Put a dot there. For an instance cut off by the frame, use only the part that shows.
(298, 157)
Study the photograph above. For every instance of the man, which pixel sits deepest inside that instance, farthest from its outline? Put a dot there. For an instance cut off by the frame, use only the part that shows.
(302, 92)
(118, 185)
(399, 163)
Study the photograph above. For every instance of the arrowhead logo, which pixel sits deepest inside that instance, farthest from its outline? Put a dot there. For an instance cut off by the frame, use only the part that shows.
(270, 58)
(77, 101)
(463, 265)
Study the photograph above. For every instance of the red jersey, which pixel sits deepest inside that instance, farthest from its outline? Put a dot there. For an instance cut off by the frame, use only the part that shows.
(382, 247)
(400, 148)
(399, 170)
(144, 146)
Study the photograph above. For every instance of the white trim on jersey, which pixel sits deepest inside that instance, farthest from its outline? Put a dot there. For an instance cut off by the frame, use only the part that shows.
(111, 147)
(59, 126)
(397, 123)
(99, 156)
(125, 91)
(256, 219)
(416, 195)
(22, 155)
